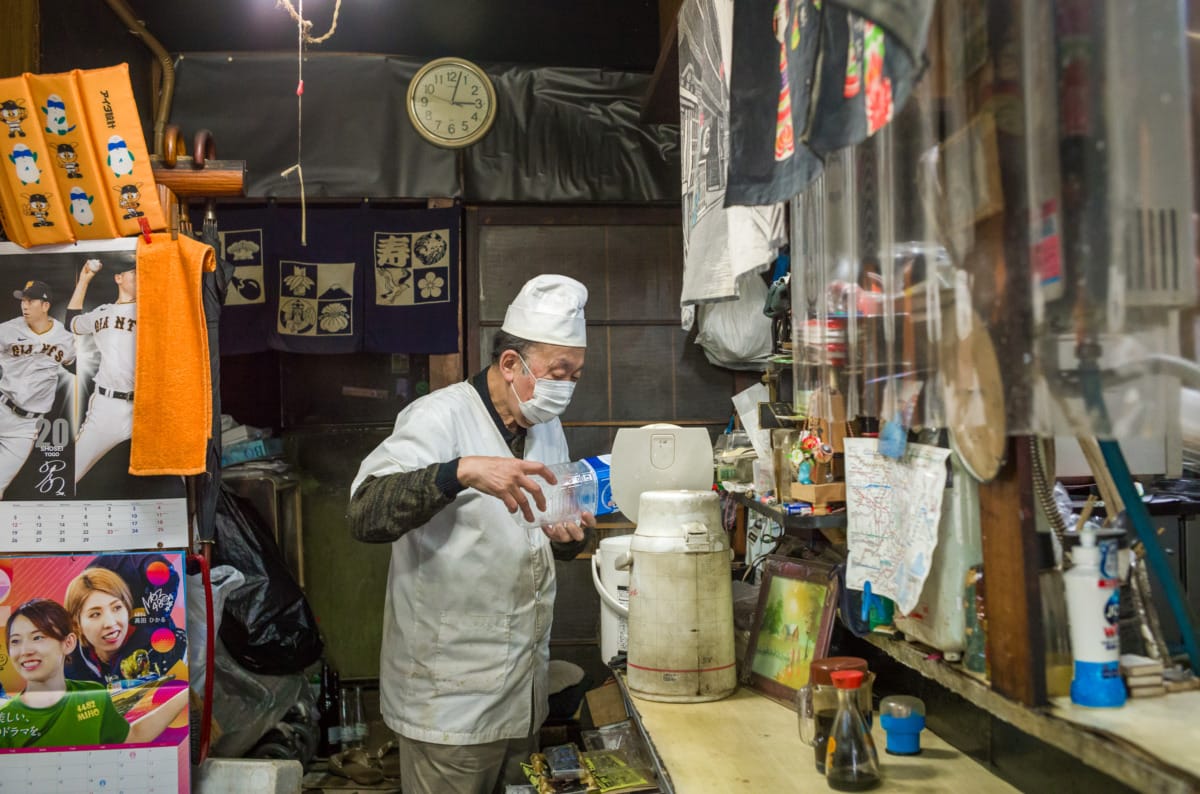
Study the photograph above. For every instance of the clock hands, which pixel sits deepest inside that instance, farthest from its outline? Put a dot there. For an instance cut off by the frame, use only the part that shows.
(454, 93)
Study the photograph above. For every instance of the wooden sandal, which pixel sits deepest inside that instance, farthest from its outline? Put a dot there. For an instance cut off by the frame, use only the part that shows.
(355, 764)
(388, 759)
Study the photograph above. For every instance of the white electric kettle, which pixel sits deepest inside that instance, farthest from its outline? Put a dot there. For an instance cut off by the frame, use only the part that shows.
(681, 645)
(680, 601)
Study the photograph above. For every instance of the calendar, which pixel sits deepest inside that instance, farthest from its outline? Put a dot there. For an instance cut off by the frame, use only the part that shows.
(93, 526)
(94, 674)
(148, 770)
(93, 670)
(68, 375)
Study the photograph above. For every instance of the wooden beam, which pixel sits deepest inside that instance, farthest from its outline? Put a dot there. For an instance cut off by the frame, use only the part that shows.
(1015, 644)
(218, 178)
(668, 11)
(660, 103)
(18, 38)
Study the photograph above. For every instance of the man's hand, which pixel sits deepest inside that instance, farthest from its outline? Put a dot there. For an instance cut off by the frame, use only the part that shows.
(507, 479)
(569, 531)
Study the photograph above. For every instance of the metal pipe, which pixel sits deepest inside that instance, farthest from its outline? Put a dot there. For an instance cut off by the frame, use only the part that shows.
(126, 15)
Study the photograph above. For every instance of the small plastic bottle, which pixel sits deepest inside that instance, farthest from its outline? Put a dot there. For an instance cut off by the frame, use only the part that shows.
(851, 762)
(1094, 605)
(582, 485)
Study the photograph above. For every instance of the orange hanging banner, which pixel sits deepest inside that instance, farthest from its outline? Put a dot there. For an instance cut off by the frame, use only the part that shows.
(34, 207)
(73, 160)
(116, 133)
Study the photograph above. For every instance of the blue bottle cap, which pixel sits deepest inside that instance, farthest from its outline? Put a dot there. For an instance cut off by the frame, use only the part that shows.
(903, 733)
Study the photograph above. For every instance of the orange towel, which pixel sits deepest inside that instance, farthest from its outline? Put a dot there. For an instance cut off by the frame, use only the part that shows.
(172, 404)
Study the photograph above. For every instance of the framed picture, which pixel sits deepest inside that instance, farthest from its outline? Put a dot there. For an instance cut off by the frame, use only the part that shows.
(792, 625)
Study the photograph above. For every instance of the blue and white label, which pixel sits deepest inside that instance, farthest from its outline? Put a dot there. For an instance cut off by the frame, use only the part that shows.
(602, 466)
(1110, 563)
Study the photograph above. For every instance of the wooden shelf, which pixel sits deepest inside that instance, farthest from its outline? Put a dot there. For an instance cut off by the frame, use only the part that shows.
(790, 522)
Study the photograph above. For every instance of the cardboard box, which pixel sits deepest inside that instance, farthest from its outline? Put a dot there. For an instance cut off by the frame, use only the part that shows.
(605, 704)
(819, 494)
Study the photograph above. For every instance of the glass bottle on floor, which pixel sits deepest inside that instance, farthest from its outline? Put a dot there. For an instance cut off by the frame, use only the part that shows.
(349, 735)
(851, 762)
(360, 718)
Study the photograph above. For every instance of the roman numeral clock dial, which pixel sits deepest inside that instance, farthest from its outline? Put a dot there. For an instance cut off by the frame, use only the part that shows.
(451, 102)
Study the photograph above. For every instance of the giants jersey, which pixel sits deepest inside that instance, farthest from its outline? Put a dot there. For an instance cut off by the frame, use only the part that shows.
(31, 363)
(113, 327)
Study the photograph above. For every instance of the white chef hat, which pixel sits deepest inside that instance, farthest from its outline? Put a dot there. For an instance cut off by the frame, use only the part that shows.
(549, 309)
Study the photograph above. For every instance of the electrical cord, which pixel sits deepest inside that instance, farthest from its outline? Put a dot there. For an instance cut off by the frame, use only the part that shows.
(1043, 487)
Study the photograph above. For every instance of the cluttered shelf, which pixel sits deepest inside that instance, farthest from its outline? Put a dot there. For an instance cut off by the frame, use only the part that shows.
(1147, 744)
(790, 521)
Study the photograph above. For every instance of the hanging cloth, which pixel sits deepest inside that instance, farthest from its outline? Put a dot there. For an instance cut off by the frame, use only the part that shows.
(775, 49)
(172, 414)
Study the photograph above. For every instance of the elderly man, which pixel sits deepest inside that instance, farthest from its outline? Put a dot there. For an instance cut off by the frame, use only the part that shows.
(466, 632)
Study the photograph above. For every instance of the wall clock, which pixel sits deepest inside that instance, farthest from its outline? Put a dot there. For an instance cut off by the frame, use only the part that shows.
(451, 102)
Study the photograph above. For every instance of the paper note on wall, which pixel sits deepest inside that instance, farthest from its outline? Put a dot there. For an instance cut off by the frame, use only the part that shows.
(746, 404)
(892, 510)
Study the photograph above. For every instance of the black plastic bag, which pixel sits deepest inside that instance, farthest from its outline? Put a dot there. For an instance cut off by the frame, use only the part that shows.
(267, 624)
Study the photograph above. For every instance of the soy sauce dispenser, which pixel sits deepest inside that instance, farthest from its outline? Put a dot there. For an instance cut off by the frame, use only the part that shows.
(851, 762)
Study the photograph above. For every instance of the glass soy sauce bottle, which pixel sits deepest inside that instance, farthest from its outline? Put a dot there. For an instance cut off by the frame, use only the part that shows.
(851, 762)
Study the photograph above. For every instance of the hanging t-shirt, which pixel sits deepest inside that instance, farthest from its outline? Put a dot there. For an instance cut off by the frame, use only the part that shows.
(719, 244)
(84, 716)
(411, 300)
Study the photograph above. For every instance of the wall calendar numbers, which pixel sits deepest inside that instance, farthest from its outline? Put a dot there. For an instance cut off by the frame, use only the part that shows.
(140, 770)
(116, 525)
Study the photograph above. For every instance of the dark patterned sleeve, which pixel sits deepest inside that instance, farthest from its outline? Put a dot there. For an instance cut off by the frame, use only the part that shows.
(570, 549)
(384, 508)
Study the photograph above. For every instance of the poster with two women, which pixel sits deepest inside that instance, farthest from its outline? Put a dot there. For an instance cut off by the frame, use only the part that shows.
(94, 670)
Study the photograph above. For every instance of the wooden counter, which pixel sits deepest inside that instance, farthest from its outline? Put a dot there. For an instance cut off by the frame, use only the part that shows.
(1149, 745)
(749, 743)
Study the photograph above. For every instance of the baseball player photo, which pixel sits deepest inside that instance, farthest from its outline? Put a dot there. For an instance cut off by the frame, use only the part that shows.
(36, 350)
(113, 330)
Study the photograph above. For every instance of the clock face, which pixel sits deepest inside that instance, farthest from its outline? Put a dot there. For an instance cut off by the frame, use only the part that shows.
(451, 102)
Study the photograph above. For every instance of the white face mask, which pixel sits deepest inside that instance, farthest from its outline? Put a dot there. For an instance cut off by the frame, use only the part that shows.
(550, 398)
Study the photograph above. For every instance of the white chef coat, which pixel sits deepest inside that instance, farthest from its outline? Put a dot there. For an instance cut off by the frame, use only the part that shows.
(470, 596)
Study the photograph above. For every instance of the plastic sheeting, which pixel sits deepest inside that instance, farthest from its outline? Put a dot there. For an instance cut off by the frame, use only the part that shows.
(1025, 219)
(561, 135)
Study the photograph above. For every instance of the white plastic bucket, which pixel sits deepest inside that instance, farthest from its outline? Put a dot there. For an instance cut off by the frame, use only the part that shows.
(613, 586)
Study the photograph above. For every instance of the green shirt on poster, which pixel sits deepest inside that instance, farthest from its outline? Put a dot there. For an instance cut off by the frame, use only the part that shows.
(85, 715)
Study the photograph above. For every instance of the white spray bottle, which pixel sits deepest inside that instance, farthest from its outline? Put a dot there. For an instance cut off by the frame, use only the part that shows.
(1094, 608)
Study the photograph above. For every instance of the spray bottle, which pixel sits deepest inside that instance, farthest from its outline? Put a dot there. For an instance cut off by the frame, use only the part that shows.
(1094, 607)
